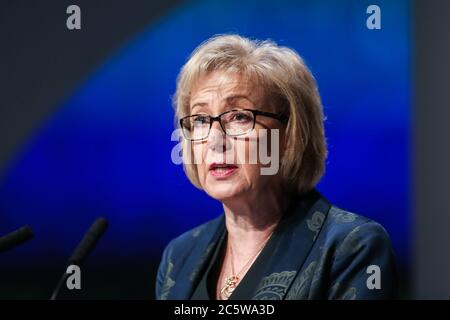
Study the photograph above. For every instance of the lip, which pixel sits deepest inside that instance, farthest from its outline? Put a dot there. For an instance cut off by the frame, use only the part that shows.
(228, 169)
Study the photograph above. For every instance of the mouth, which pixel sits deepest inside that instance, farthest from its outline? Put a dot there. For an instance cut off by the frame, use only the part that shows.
(222, 170)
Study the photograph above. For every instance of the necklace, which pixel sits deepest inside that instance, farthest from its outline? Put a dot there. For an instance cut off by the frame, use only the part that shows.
(231, 281)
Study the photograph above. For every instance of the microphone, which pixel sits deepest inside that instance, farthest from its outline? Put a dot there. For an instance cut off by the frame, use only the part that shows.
(88, 242)
(83, 249)
(15, 238)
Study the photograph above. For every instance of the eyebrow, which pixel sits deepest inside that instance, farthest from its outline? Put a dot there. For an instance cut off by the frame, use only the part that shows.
(229, 99)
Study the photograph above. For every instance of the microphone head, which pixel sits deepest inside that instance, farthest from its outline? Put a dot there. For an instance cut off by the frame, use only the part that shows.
(88, 242)
(16, 238)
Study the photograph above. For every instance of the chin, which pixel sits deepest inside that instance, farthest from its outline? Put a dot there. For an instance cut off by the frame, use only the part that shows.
(222, 191)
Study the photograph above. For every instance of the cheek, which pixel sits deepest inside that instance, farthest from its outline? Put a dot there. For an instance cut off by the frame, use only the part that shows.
(198, 155)
(250, 177)
(246, 150)
(250, 171)
(197, 150)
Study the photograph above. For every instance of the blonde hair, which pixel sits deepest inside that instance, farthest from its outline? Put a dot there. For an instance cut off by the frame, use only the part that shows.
(285, 78)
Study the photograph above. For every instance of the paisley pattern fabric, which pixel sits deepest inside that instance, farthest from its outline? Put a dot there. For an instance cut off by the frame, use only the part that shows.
(274, 286)
(317, 251)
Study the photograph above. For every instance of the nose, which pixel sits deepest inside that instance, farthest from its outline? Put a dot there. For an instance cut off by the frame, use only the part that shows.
(216, 138)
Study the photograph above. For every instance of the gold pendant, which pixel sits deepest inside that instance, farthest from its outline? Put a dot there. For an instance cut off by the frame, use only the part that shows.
(230, 285)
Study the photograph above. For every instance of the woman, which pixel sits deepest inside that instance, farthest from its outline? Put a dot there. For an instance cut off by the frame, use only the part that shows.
(278, 237)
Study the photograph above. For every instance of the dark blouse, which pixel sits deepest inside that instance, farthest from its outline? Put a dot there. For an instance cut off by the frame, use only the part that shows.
(206, 288)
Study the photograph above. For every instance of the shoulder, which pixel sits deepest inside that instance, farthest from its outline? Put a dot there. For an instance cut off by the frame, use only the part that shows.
(179, 250)
(355, 247)
(185, 242)
(345, 227)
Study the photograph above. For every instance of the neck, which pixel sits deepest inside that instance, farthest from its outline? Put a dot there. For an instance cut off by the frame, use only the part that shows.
(250, 220)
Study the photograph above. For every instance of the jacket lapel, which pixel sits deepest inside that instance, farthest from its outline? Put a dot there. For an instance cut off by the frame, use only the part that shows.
(289, 247)
(198, 259)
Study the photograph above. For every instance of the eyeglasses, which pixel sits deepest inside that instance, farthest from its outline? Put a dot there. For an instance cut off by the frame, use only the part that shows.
(233, 123)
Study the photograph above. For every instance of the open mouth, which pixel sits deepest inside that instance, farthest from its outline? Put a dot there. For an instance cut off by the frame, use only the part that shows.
(221, 170)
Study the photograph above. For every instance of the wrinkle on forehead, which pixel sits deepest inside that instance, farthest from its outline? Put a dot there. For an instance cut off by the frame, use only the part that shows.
(221, 85)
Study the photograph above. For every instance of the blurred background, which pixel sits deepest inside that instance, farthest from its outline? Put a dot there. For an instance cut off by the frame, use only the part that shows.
(86, 122)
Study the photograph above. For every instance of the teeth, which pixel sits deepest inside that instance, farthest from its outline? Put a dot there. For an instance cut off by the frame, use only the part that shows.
(221, 169)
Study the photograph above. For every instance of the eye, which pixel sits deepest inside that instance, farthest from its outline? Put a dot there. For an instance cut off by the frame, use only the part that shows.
(241, 116)
(200, 120)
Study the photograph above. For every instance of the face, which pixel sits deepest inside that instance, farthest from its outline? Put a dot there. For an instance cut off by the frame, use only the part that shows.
(224, 164)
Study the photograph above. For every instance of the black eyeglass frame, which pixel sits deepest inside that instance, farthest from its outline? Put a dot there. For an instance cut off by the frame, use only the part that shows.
(280, 117)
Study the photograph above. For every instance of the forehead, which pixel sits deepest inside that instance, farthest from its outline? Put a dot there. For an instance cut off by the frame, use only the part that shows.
(222, 85)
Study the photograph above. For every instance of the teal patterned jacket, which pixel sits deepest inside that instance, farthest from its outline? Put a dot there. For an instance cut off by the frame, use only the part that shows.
(317, 251)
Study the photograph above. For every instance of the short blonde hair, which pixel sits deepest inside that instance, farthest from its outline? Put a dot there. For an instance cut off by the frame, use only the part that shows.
(285, 78)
